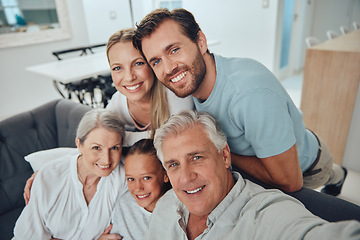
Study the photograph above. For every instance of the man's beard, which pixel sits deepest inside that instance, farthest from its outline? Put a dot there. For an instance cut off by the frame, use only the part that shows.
(198, 71)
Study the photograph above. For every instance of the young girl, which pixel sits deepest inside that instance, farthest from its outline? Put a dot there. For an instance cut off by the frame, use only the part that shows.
(147, 182)
(146, 178)
(141, 101)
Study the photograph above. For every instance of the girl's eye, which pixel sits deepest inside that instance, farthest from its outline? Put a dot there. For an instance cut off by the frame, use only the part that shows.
(116, 68)
(130, 179)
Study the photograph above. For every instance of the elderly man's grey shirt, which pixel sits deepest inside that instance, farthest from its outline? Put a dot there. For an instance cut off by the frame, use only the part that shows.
(249, 212)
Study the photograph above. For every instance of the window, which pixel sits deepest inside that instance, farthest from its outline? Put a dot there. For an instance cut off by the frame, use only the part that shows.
(12, 12)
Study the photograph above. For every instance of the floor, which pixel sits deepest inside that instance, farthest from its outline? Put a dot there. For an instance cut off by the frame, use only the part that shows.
(350, 191)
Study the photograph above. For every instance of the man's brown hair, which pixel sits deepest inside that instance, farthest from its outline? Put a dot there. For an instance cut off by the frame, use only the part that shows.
(151, 22)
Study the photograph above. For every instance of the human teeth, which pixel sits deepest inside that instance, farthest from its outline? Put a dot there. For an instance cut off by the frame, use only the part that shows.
(143, 196)
(196, 190)
(103, 166)
(133, 87)
(179, 77)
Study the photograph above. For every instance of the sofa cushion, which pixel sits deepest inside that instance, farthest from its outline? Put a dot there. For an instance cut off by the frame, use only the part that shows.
(68, 117)
(7, 223)
(20, 135)
(40, 158)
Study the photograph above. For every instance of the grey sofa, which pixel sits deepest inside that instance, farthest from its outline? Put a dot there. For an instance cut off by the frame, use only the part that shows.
(48, 126)
(53, 125)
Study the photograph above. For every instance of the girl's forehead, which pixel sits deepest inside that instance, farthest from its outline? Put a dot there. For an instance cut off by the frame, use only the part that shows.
(142, 160)
(141, 157)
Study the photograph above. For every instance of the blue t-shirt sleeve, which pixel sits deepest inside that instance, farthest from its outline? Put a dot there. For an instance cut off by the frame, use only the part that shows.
(265, 118)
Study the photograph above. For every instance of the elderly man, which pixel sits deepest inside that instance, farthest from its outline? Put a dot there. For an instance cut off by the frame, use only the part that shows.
(208, 201)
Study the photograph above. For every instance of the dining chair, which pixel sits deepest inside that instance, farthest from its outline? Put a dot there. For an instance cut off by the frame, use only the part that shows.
(71, 52)
(85, 87)
(311, 41)
(331, 34)
(356, 25)
(344, 30)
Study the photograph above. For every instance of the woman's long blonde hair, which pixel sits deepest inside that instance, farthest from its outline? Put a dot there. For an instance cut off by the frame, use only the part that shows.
(159, 107)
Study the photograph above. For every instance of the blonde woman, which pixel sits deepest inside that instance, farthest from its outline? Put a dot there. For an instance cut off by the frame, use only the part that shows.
(141, 101)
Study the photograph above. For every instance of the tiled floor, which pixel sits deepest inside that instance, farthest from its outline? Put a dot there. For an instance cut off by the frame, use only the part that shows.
(350, 191)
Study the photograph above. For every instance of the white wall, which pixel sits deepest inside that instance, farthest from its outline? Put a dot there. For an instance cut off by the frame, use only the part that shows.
(306, 15)
(103, 18)
(244, 28)
(331, 14)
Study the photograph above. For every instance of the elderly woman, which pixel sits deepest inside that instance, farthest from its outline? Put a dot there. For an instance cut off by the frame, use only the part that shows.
(73, 197)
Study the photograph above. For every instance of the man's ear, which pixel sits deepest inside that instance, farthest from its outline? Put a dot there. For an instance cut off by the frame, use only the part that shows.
(226, 156)
(166, 177)
(202, 43)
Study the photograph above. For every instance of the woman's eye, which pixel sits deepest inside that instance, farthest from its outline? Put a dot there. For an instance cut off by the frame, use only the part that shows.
(130, 179)
(96, 147)
(116, 68)
(115, 148)
(139, 63)
(156, 62)
(146, 178)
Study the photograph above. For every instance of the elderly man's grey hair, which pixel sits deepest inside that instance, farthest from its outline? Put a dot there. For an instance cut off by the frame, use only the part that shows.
(185, 120)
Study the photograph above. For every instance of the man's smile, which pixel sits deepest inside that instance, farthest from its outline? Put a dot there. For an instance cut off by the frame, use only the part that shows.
(195, 190)
(178, 77)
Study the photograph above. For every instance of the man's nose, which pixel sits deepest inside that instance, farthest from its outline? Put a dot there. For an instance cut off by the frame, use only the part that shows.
(169, 65)
(187, 174)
